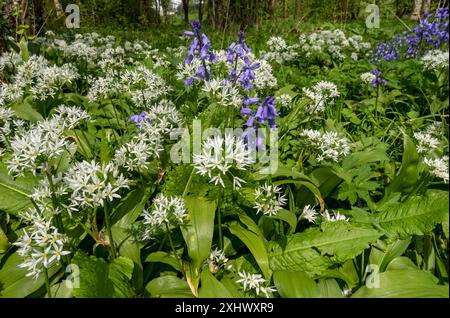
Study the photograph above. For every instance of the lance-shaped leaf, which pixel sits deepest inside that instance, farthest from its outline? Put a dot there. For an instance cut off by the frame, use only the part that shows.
(416, 216)
(314, 250)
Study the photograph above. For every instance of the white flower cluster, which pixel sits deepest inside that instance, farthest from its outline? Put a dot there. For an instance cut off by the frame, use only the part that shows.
(165, 210)
(279, 51)
(255, 282)
(268, 199)
(41, 245)
(321, 95)
(146, 145)
(309, 214)
(9, 125)
(223, 92)
(435, 60)
(220, 156)
(8, 62)
(335, 43)
(438, 167)
(44, 80)
(92, 184)
(367, 78)
(428, 140)
(328, 145)
(334, 216)
(217, 260)
(141, 83)
(44, 141)
(284, 100)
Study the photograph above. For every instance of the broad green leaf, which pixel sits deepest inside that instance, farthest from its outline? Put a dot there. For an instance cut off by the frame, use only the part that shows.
(84, 141)
(25, 110)
(4, 242)
(383, 253)
(130, 207)
(211, 287)
(418, 215)
(169, 286)
(163, 257)
(15, 193)
(100, 279)
(315, 249)
(408, 174)
(326, 179)
(445, 225)
(401, 262)
(255, 244)
(329, 288)
(288, 217)
(61, 290)
(94, 281)
(13, 280)
(120, 273)
(198, 234)
(295, 285)
(409, 283)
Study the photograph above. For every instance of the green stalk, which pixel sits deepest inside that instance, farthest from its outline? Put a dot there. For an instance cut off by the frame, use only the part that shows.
(58, 218)
(108, 228)
(47, 283)
(172, 246)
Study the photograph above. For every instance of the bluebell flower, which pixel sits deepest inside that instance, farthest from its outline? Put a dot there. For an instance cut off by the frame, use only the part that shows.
(138, 118)
(199, 47)
(378, 79)
(430, 34)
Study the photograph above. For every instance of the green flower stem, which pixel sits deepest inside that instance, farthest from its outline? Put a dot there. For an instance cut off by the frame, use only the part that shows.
(58, 218)
(172, 246)
(108, 228)
(47, 283)
(188, 183)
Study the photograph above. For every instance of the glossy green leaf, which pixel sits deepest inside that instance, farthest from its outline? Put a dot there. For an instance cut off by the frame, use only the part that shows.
(315, 249)
(295, 285)
(211, 287)
(407, 283)
(169, 287)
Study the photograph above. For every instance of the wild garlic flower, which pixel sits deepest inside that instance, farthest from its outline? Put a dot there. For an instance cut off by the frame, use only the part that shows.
(438, 167)
(136, 155)
(435, 60)
(93, 184)
(279, 51)
(268, 199)
(70, 117)
(34, 148)
(143, 85)
(164, 210)
(334, 216)
(326, 146)
(217, 260)
(220, 156)
(428, 140)
(321, 95)
(309, 214)
(368, 77)
(284, 100)
(163, 116)
(9, 125)
(41, 245)
(224, 92)
(51, 79)
(255, 282)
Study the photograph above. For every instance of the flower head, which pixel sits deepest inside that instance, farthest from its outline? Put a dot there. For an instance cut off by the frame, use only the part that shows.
(268, 199)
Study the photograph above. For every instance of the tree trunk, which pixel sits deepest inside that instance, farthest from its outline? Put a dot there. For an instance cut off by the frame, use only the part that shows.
(59, 8)
(297, 9)
(426, 4)
(285, 8)
(417, 10)
(200, 10)
(272, 8)
(186, 11)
